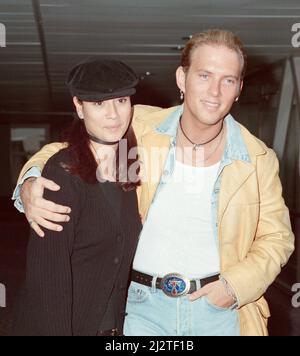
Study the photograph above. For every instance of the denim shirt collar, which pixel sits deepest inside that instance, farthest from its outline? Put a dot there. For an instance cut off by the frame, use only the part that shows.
(236, 148)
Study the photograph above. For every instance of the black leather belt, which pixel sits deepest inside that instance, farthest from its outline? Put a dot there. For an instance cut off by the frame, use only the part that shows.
(173, 285)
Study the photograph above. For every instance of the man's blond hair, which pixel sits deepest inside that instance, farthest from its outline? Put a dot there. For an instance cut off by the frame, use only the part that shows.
(214, 37)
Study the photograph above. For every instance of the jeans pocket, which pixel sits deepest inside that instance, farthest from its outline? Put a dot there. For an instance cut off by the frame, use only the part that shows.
(215, 307)
(137, 293)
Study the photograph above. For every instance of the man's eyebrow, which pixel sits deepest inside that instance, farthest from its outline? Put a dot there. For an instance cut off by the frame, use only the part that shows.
(232, 76)
(205, 71)
(225, 76)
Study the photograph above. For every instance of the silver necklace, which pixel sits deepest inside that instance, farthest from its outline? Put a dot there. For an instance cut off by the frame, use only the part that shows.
(197, 145)
(212, 153)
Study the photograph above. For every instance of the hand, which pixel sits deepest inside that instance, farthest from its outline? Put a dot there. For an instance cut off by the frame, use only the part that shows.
(40, 212)
(216, 293)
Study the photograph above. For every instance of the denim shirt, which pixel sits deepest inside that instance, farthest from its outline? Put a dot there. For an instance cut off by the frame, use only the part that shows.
(235, 149)
(33, 172)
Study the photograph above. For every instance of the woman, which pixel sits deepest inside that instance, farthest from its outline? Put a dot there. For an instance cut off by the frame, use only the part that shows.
(77, 280)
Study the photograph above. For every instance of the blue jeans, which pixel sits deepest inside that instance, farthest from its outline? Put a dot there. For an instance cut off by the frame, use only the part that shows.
(152, 313)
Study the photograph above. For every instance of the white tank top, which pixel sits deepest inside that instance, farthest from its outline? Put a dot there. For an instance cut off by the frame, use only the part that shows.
(178, 236)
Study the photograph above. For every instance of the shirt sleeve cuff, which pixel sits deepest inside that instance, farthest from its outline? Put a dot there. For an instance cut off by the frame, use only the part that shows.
(33, 172)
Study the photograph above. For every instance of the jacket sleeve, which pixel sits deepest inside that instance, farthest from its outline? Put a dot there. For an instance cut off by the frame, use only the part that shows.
(40, 159)
(49, 269)
(274, 241)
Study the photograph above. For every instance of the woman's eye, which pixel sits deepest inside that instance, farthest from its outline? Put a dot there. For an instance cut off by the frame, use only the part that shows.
(123, 100)
(99, 103)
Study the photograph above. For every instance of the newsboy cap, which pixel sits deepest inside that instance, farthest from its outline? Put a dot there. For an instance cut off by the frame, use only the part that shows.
(99, 79)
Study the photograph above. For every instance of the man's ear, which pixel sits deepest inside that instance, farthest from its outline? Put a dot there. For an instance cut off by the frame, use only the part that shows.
(241, 87)
(239, 91)
(180, 78)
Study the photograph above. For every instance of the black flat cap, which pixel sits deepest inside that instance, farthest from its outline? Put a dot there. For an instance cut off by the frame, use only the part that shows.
(101, 79)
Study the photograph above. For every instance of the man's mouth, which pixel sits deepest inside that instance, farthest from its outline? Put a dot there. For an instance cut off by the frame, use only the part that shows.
(211, 104)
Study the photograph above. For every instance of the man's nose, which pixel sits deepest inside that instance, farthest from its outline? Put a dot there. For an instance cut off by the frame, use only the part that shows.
(215, 88)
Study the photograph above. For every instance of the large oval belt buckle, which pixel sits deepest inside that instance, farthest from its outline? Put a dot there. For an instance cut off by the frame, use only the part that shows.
(175, 285)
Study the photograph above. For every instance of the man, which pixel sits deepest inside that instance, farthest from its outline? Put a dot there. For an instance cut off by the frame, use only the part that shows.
(211, 245)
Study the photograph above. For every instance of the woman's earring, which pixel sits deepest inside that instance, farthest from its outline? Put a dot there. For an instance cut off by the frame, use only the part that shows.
(181, 95)
(80, 114)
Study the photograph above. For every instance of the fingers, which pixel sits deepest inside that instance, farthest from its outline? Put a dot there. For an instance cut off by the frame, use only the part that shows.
(202, 292)
(43, 183)
(198, 294)
(48, 224)
(43, 213)
(48, 215)
(41, 208)
(215, 291)
(52, 207)
(32, 195)
(37, 229)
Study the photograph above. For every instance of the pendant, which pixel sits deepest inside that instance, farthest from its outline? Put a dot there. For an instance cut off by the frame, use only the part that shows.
(196, 146)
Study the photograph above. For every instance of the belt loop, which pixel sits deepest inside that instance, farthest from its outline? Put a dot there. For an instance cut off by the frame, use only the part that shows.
(153, 286)
(198, 284)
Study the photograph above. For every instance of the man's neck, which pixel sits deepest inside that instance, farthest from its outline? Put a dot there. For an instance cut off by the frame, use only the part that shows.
(197, 131)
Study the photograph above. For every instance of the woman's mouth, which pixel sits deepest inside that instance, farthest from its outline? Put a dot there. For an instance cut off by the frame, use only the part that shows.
(113, 128)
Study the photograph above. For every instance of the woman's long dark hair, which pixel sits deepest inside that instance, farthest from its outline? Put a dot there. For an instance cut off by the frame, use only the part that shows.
(83, 163)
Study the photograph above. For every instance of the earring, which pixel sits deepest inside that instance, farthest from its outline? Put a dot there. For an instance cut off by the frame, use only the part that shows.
(237, 99)
(80, 114)
(181, 95)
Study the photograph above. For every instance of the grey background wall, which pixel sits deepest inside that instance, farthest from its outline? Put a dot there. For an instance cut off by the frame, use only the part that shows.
(5, 174)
